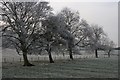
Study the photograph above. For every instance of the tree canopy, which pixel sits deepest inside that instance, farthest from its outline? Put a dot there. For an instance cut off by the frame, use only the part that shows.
(31, 27)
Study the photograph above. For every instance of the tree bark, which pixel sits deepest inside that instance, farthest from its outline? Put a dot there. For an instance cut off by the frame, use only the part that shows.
(63, 54)
(70, 52)
(96, 53)
(26, 62)
(49, 53)
(109, 53)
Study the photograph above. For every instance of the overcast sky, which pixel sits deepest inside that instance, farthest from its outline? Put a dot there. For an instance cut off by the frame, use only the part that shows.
(98, 12)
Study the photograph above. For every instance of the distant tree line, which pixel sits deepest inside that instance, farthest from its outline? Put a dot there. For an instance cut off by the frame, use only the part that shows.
(32, 27)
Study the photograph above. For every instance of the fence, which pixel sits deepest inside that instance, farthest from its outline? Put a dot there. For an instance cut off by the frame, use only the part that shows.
(44, 57)
(9, 55)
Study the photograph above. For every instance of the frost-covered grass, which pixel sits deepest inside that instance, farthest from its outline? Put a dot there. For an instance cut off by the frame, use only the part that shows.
(78, 68)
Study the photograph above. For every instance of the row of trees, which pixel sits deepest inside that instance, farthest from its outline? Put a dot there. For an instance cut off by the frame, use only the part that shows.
(32, 26)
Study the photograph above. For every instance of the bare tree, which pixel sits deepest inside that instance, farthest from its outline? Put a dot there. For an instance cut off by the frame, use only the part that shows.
(56, 25)
(48, 44)
(95, 39)
(71, 19)
(107, 45)
(22, 20)
(49, 34)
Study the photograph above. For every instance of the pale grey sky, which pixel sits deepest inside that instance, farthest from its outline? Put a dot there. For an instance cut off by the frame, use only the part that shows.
(104, 14)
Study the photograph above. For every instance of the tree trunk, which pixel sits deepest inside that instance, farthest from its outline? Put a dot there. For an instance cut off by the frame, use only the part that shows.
(109, 53)
(63, 54)
(49, 53)
(50, 57)
(26, 62)
(70, 52)
(96, 53)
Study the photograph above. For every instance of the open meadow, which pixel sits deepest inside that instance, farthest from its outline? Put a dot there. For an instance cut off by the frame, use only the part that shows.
(78, 68)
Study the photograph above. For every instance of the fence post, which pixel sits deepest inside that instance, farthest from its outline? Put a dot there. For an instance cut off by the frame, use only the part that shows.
(4, 59)
(13, 59)
(31, 59)
(20, 59)
(44, 58)
(38, 58)
(54, 57)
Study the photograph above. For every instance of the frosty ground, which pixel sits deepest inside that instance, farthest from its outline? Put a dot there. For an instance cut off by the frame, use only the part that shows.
(78, 68)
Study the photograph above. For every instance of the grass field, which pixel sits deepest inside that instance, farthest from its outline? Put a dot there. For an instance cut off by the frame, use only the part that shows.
(78, 68)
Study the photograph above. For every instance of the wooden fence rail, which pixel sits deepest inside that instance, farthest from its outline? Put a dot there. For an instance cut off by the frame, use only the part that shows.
(38, 58)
